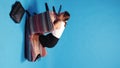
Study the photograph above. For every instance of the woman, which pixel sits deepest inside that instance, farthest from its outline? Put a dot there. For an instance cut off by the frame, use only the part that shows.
(33, 51)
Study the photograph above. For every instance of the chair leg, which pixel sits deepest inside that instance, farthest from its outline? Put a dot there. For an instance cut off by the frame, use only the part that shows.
(28, 13)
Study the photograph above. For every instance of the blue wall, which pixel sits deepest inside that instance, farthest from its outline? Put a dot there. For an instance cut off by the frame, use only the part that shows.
(91, 39)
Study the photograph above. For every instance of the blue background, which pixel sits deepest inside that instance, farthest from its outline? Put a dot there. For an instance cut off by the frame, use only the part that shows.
(90, 40)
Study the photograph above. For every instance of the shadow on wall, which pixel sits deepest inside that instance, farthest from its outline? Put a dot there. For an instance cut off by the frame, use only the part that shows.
(33, 7)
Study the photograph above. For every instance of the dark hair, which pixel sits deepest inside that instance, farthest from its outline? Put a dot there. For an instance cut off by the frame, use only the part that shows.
(66, 15)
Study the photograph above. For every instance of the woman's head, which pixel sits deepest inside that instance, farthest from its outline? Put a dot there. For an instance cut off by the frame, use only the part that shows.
(64, 16)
